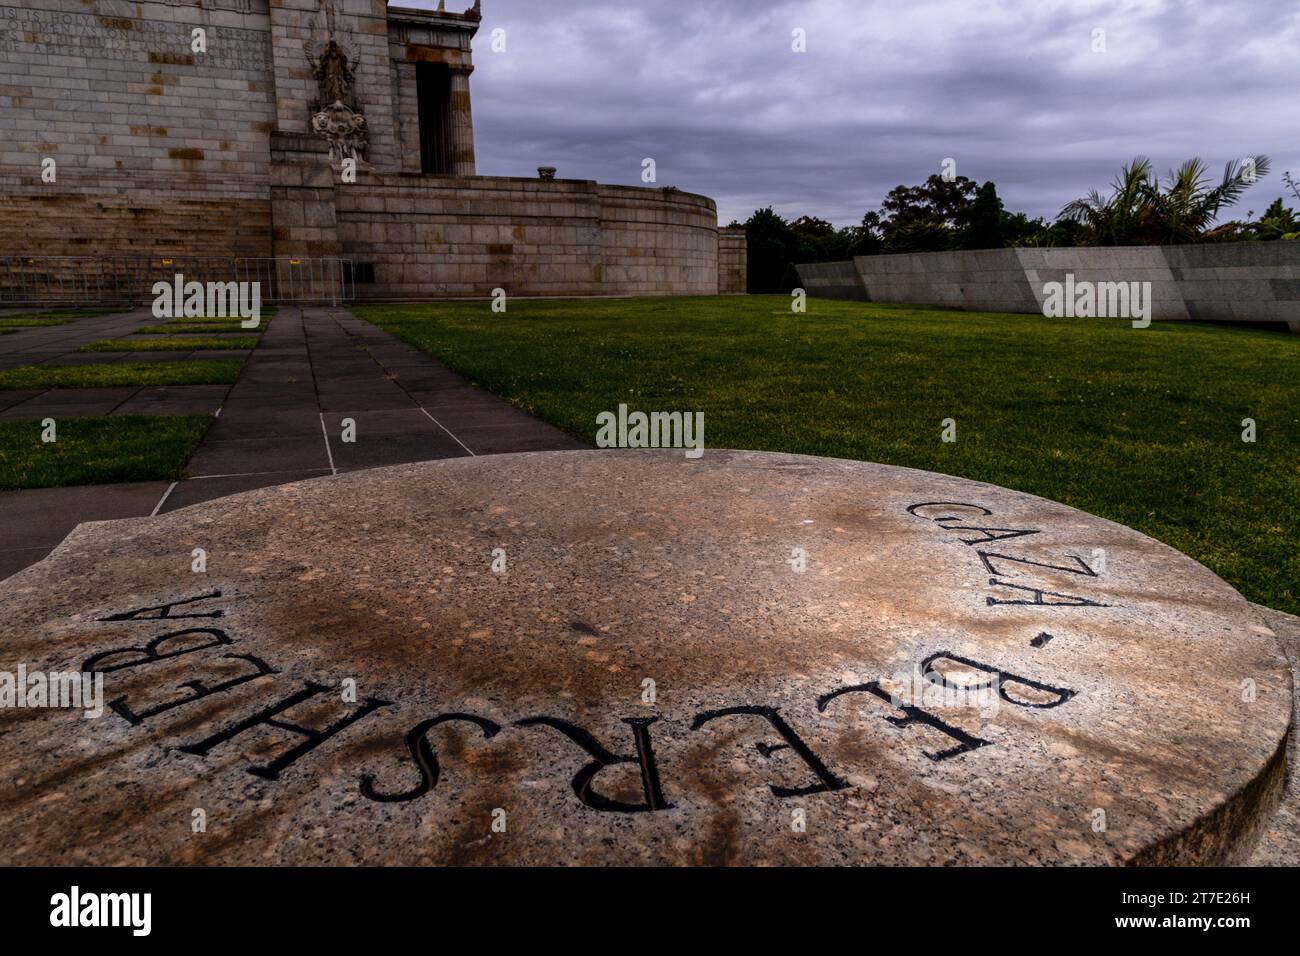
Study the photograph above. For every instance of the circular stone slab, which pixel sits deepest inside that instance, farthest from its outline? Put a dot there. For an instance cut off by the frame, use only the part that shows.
(631, 657)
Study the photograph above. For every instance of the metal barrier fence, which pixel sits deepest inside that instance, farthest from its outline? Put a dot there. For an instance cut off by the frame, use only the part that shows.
(300, 280)
(71, 281)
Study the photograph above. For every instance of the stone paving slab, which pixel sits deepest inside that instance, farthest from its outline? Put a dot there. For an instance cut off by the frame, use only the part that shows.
(57, 410)
(35, 521)
(76, 396)
(114, 358)
(380, 422)
(379, 449)
(14, 560)
(134, 357)
(195, 406)
(375, 399)
(198, 490)
(454, 395)
(248, 455)
(117, 400)
(254, 399)
(265, 422)
(467, 416)
(505, 439)
(11, 397)
(331, 365)
(55, 343)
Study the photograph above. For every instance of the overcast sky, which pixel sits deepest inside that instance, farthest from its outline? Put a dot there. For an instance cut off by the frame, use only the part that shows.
(1010, 89)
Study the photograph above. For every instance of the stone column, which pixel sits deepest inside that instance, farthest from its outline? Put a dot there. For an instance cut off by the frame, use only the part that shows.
(408, 117)
(462, 123)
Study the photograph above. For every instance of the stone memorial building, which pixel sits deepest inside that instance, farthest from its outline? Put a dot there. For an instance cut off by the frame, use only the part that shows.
(309, 128)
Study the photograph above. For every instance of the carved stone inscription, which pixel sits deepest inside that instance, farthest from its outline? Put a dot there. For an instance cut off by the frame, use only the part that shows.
(1011, 575)
(55, 33)
(189, 626)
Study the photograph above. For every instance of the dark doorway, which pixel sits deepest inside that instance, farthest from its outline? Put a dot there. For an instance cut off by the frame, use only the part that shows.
(433, 87)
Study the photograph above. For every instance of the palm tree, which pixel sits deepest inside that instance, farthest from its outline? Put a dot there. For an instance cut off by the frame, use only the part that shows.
(1188, 205)
(1117, 220)
(1141, 209)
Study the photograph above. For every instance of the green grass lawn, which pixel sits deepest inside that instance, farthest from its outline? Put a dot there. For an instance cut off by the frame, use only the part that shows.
(206, 324)
(1140, 426)
(60, 315)
(189, 343)
(224, 327)
(36, 320)
(205, 372)
(13, 325)
(94, 451)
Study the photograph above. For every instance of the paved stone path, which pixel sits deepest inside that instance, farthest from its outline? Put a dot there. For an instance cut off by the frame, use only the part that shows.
(58, 343)
(129, 400)
(314, 369)
(35, 521)
(282, 421)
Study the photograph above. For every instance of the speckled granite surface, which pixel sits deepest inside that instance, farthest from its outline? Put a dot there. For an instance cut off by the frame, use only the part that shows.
(1280, 844)
(749, 658)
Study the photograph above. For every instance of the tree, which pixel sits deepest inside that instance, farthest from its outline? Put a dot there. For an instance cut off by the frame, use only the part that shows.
(812, 226)
(919, 235)
(816, 240)
(929, 217)
(771, 247)
(936, 200)
(1144, 210)
(868, 238)
(1119, 219)
(1186, 205)
(1278, 222)
(984, 230)
(1291, 184)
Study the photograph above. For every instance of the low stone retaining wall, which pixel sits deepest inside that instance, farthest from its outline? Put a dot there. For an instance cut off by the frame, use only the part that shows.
(1232, 282)
(434, 236)
(833, 280)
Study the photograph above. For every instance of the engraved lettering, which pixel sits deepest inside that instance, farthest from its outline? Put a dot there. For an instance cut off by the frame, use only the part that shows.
(425, 757)
(582, 781)
(828, 781)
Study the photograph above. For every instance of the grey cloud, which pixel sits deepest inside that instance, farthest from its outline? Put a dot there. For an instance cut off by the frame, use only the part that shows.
(887, 90)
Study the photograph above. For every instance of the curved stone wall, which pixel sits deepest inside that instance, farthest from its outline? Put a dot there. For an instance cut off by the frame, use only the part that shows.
(440, 236)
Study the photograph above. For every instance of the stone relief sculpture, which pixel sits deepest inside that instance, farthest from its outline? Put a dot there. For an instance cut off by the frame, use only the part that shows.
(335, 113)
(344, 130)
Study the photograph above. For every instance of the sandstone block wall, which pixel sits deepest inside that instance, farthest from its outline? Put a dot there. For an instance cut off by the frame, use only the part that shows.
(304, 219)
(411, 43)
(363, 30)
(157, 148)
(733, 261)
(165, 152)
(1241, 282)
(435, 236)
